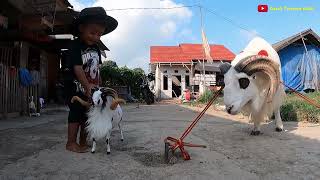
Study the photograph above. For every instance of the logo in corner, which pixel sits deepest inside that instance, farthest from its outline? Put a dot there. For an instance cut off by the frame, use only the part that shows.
(262, 8)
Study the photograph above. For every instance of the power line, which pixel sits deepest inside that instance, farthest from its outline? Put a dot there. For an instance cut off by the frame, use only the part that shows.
(235, 23)
(192, 6)
(152, 8)
(187, 6)
(227, 19)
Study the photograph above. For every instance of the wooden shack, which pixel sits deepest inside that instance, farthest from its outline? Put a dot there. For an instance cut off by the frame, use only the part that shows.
(25, 27)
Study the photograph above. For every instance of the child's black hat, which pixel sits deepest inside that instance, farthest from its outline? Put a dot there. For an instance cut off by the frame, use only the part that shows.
(95, 15)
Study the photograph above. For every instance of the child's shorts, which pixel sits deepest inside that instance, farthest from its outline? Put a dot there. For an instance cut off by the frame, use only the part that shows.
(78, 112)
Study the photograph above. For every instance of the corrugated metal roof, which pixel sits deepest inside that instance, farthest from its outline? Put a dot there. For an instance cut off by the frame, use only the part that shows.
(187, 53)
(309, 34)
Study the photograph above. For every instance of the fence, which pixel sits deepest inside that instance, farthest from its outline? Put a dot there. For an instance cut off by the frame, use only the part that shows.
(13, 97)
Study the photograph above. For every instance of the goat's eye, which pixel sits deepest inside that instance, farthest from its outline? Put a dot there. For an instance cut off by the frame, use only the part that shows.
(244, 83)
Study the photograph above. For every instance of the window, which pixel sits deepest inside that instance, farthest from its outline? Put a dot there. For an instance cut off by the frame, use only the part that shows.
(165, 71)
(187, 71)
(165, 83)
(176, 71)
(187, 81)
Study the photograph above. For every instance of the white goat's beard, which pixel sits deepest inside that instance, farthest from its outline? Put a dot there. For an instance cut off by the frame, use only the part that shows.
(99, 122)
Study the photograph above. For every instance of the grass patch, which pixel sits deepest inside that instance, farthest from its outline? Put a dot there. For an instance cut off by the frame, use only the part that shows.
(293, 109)
(208, 95)
(296, 109)
(205, 98)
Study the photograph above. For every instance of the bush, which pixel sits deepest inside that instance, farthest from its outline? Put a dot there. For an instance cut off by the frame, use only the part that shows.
(208, 95)
(296, 109)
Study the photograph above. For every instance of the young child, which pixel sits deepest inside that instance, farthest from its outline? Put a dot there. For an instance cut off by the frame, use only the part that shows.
(82, 69)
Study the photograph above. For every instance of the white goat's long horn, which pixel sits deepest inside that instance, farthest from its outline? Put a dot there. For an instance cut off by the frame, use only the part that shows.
(81, 101)
(256, 63)
(115, 103)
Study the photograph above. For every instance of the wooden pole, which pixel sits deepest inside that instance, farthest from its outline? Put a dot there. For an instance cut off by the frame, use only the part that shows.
(204, 71)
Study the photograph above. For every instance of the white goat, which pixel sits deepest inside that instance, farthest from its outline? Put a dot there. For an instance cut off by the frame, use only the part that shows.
(103, 115)
(252, 84)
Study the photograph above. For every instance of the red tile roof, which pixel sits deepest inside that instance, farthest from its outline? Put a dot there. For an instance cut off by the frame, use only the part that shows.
(188, 52)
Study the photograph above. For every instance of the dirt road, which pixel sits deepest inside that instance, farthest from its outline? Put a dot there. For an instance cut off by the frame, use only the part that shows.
(36, 150)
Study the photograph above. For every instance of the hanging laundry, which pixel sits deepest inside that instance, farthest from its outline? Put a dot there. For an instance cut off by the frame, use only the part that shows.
(41, 101)
(25, 77)
(35, 77)
(13, 71)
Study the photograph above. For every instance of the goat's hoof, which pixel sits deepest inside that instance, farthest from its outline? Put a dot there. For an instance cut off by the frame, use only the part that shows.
(279, 129)
(108, 152)
(93, 152)
(121, 139)
(255, 133)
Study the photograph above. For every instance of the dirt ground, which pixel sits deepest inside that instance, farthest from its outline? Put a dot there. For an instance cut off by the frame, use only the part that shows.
(34, 148)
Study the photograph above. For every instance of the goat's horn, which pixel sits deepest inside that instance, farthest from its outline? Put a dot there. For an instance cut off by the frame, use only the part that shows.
(81, 101)
(256, 63)
(110, 92)
(115, 103)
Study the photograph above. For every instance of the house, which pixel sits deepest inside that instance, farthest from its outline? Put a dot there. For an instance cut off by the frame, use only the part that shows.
(33, 36)
(25, 44)
(300, 60)
(179, 67)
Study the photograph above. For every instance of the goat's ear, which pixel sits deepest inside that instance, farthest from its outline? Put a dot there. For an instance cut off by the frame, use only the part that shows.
(224, 67)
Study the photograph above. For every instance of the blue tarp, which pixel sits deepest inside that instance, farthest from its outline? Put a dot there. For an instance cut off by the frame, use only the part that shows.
(301, 70)
(25, 77)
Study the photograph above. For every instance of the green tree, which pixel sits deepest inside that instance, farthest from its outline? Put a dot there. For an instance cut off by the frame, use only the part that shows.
(110, 63)
(109, 75)
(139, 70)
(112, 75)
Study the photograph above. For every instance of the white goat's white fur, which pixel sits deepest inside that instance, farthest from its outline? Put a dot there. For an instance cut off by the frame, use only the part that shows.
(253, 100)
(101, 120)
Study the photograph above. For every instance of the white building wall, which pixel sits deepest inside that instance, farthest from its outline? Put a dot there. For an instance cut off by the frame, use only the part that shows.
(209, 78)
(196, 80)
(157, 82)
(166, 94)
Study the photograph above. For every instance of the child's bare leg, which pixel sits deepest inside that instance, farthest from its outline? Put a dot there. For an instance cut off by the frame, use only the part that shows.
(83, 136)
(72, 138)
(74, 121)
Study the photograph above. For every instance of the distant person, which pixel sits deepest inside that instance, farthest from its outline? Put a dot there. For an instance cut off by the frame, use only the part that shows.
(82, 69)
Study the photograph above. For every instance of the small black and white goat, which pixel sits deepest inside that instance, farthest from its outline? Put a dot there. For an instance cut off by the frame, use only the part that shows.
(104, 114)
